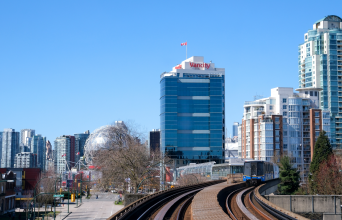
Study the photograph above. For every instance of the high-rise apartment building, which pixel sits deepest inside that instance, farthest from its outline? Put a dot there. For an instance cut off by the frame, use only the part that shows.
(0, 147)
(38, 147)
(25, 160)
(82, 139)
(62, 150)
(192, 117)
(154, 140)
(66, 152)
(25, 134)
(320, 66)
(235, 129)
(10, 147)
(286, 123)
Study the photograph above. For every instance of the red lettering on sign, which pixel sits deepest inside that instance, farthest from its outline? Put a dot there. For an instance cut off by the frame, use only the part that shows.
(200, 65)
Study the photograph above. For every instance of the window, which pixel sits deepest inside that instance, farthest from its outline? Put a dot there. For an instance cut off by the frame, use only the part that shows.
(271, 107)
(316, 127)
(276, 126)
(316, 114)
(311, 93)
(284, 106)
(285, 133)
(284, 113)
(316, 120)
(284, 100)
(277, 119)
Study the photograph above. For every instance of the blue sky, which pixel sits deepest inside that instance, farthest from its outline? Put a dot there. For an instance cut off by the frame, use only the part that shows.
(71, 66)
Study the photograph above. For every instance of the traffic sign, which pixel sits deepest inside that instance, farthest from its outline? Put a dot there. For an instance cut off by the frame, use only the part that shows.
(58, 195)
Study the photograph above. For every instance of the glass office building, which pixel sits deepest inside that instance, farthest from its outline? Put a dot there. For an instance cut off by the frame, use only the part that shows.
(192, 117)
(320, 66)
(82, 139)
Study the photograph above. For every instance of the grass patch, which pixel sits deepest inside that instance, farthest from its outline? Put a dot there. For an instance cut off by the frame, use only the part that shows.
(118, 203)
(88, 197)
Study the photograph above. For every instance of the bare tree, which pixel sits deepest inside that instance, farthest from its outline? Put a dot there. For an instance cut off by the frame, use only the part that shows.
(189, 179)
(124, 158)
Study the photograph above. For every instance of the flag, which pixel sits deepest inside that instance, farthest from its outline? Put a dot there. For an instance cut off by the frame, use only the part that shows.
(184, 44)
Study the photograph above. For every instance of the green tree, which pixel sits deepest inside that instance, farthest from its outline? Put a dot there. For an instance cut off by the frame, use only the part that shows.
(289, 177)
(322, 152)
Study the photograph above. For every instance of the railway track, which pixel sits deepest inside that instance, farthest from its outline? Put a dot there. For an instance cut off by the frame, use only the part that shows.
(163, 205)
(245, 204)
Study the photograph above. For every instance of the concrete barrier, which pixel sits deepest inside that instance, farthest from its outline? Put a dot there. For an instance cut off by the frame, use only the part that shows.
(307, 203)
(130, 198)
(331, 217)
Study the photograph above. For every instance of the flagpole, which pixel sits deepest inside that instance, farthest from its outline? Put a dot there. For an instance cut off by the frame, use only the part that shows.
(186, 50)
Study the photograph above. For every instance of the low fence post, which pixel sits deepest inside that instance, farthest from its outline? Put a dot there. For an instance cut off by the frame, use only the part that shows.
(290, 203)
(335, 204)
(313, 209)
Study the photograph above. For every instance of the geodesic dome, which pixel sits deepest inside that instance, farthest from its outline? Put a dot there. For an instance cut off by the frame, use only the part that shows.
(99, 139)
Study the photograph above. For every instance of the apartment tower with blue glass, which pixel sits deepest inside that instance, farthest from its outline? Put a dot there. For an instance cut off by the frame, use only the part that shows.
(192, 117)
(320, 66)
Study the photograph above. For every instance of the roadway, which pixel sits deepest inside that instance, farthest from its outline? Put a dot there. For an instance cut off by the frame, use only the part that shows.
(92, 209)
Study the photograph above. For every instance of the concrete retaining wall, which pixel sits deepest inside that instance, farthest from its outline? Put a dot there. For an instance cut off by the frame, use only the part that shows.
(129, 198)
(305, 204)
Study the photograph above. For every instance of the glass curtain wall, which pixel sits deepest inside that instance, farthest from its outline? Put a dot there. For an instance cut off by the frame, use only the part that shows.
(192, 118)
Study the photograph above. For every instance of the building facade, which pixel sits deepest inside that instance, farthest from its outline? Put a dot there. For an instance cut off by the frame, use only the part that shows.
(25, 160)
(286, 123)
(25, 134)
(82, 139)
(192, 117)
(66, 153)
(10, 147)
(320, 66)
(7, 192)
(154, 140)
(38, 147)
(62, 147)
(235, 129)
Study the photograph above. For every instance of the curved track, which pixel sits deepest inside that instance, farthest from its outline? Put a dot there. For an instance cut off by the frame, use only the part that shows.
(153, 206)
(244, 204)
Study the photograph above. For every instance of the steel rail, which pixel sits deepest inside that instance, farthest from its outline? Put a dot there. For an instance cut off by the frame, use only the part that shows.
(256, 209)
(229, 197)
(161, 214)
(275, 211)
(182, 209)
(242, 207)
(142, 207)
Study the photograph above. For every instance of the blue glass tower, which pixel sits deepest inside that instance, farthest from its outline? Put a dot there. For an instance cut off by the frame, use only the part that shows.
(192, 117)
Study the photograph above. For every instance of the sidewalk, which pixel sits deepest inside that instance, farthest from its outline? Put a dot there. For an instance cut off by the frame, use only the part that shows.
(91, 208)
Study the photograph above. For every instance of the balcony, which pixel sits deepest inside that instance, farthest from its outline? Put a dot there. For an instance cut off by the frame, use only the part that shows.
(306, 142)
(255, 103)
(307, 149)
